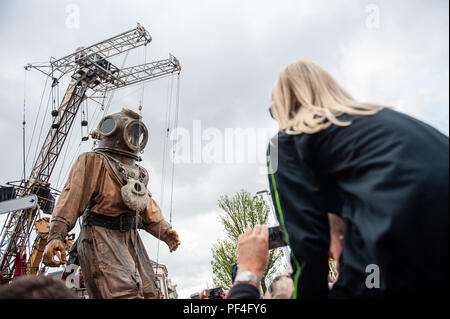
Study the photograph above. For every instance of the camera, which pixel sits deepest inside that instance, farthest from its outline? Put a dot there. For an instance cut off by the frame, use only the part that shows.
(276, 240)
(215, 293)
(276, 237)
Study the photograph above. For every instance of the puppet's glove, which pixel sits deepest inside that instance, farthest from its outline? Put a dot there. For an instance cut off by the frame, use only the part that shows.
(55, 243)
(55, 247)
(172, 240)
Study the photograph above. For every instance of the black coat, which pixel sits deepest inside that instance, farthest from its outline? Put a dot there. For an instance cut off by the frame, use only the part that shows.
(387, 175)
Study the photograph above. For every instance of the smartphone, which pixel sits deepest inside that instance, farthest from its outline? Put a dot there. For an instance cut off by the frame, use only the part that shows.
(276, 237)
(215, 293)
(234, 269)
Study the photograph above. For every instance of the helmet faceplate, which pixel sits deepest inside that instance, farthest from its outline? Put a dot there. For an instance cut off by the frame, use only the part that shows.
(123, 133)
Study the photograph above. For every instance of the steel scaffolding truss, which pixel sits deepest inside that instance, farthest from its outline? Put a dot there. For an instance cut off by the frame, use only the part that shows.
(139, 73)
(106, 49)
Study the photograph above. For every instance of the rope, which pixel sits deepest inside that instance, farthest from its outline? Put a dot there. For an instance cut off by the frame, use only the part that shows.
(141, 104)
(167, 125)
(138, 85)
(95, 115)
(23, 126)
(105, 109)
(42, 126)
(112, 93)
(177, 102)
(142, 92)
(73, 159)
(37, 117)
(69, 141)
(163, 175)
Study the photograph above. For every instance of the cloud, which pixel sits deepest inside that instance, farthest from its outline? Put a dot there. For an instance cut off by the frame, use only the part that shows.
(386, 66)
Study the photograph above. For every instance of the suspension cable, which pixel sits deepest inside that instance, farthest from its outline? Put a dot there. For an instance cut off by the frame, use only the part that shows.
(23, 126)
(163, 174)
(37, 117)
(167, 127)
(75, 155)
(112, 93)
(42, 126)
(69, 141)
(141, 104)
(177, 102)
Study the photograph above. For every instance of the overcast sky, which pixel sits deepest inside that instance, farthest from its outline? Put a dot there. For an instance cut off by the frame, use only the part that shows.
(388, 52)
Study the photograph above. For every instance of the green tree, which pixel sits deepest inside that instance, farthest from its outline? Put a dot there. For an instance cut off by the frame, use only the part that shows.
(241, 211)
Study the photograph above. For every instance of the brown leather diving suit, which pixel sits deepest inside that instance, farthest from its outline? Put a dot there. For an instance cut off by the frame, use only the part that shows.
(110, 251)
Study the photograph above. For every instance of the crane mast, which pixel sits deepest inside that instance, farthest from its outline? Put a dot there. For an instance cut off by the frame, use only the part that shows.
(92, 75)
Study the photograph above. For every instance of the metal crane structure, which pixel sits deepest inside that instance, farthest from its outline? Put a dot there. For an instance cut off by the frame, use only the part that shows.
(92, 76)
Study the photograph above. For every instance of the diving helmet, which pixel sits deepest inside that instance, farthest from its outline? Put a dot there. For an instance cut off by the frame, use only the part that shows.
(122, 133)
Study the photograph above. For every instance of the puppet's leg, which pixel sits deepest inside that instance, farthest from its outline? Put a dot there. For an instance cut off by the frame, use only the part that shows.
(107, 265)
(145, 269)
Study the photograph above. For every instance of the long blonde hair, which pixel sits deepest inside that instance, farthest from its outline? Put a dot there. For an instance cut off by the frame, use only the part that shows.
(306, 99)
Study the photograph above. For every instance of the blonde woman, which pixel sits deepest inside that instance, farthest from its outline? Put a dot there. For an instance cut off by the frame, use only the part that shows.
(384, 172)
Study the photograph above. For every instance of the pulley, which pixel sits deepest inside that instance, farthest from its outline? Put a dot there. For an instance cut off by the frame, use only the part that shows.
(84, 123)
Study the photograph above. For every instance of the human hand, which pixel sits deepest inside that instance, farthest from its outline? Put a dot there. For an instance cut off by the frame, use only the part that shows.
(223, 294)
(253, 250)
(172, 240)
(55, 247)
(204, 294)
(282, 287)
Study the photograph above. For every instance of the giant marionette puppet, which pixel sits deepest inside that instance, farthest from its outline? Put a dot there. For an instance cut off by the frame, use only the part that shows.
(109, 190)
